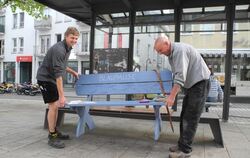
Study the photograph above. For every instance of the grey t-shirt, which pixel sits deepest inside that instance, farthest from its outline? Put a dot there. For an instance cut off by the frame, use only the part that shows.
(187, 65)
(54, 63)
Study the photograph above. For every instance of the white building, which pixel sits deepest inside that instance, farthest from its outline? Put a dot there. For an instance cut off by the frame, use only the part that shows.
(25, 41)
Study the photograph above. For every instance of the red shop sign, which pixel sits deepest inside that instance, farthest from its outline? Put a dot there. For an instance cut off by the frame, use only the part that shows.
(24, 58)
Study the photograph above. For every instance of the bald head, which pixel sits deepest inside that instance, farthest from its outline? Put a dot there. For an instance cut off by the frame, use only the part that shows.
(162, 45)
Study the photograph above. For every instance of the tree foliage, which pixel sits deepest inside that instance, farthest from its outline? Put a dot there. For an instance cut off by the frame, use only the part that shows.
(33, 8)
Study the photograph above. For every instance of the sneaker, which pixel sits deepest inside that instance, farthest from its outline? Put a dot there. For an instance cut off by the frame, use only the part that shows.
(62, 136)
(55, 142)
(174, 148)
(179, 154)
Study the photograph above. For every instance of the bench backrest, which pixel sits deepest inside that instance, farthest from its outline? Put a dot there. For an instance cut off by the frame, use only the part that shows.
(144, 82)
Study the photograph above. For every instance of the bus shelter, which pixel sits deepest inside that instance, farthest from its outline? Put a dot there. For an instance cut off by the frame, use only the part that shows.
(140, 16)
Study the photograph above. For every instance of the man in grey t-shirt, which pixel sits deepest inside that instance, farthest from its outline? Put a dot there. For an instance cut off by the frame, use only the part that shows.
(50, 79)
(190, 72)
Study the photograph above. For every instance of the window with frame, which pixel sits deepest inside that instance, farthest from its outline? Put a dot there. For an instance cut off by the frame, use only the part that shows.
(224, 27)
(85, 42)
(186, 29)
(14, 41)
(2, 20)
(14, 21)
(21, 43)
(9, 71)
(44, 43)
(119, 40)
(138, 47)
(21, 22)
(2, 47)
(207, 28)
(58, 37)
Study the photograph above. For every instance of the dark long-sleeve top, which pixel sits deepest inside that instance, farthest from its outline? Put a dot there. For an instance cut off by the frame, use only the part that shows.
(54, 63)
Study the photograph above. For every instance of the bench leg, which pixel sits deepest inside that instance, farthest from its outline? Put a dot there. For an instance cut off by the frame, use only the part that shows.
(84, 118)
(216, 130)
(60, 118)
(59, 122)
(45, 124)
(157, 124)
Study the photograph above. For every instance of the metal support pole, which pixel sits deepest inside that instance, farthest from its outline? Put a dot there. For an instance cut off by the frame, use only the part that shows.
(110, 46)
(131, 44)
(131, 40)
(92, 42)
(177, 19)
(230, 15)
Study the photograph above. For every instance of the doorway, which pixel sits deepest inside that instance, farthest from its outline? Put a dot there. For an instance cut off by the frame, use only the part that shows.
(25, 72)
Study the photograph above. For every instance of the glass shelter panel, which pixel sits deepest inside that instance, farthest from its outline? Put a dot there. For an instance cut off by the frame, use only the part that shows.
(145, 57)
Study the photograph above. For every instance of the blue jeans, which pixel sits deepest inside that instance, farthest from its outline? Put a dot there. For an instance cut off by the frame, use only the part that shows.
(192, 107)
(212, 99)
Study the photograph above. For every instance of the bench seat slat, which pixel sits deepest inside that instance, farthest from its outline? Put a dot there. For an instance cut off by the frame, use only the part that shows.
(115, 103)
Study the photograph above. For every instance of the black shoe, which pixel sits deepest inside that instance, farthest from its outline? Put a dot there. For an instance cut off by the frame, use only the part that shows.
(174, 148)
(55, 142)
(62, 136)
(179, 154)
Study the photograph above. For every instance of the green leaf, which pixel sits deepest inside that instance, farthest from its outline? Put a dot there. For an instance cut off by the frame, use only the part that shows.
(33, 8)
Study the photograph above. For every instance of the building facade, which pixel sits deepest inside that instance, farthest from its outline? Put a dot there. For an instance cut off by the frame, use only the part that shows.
(24, 44)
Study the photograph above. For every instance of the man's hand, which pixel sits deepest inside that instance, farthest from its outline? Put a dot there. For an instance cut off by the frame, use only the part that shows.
(76, 75)
(62, 101)
(170, 100)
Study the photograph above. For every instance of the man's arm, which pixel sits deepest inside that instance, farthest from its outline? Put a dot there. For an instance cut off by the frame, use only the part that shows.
(74, 73)
(59, 85)
(171, 98)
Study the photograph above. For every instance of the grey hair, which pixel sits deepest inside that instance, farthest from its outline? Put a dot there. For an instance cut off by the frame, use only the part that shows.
(161, 39)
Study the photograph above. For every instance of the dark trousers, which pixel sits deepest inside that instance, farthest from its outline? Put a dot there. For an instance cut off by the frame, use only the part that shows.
(192, 107)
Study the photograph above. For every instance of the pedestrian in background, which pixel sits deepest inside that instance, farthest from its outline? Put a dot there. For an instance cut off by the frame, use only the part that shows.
(215, 92)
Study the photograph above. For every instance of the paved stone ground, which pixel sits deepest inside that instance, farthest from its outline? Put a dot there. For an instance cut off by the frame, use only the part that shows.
(22, 135)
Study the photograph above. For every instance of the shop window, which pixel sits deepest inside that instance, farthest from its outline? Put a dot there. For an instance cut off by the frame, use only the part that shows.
(69, 78)
(85, 67)
(9, 72)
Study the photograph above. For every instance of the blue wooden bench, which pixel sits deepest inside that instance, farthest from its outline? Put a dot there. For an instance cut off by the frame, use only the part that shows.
(124, 83)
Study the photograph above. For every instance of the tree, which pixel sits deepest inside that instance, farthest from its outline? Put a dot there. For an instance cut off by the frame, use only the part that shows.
(33, 8)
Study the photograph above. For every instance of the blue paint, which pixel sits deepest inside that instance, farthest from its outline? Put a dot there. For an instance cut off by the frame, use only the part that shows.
(144, 82)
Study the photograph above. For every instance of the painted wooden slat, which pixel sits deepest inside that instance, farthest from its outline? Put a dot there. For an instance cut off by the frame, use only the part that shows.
(127, 77)
(116, 103)
(126, 88)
